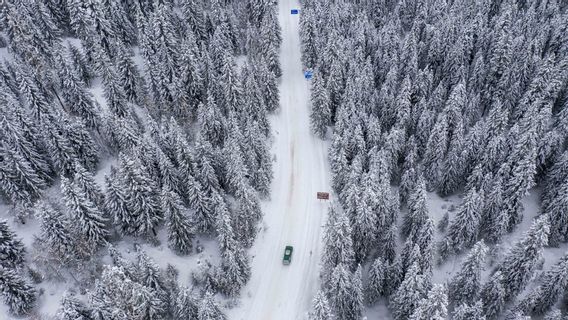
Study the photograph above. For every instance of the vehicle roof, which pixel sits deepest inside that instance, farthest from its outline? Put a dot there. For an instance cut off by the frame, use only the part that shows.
(289, 247)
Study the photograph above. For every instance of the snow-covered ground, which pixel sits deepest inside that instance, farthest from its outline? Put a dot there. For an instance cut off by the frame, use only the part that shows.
(293, 216)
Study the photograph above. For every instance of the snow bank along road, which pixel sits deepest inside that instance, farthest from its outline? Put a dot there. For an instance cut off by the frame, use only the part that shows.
(293, 216)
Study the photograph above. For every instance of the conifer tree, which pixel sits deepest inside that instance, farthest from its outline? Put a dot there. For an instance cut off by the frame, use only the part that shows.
(463, 231)
(345, 294)
(12, 249)
(434, 306)
(338, 246)
(554, 314)
(115, 95)
(79, 64)
(116, 203)
(17, 294)
(389, 242)
(417, 210)
(55, 231)
(466, 284)
(208, 309)
(186, 304)
(142, 197)
(19, 182)
(180, 231)
(83, 144)
(130, 78)
(91, 223)
(542, 298)
(76, 96)
(520, 263)
(407, 297)
(200, 202)
(493, 296)
(394, 276)
(467, 312)
(269, 87)
(22, 136)
(128, 268)
(148, 272)
(85, 181)
(320, 308)
(320, 116)
(495, 219)
(72, 308)
(235, 269)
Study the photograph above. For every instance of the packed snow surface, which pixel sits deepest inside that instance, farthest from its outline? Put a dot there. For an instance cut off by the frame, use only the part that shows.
(293, 216)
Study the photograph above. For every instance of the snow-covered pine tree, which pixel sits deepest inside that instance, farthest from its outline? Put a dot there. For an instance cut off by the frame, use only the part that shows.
(247, 213)
(200, 202)
(389, 243)
(12, 249)
(17, 294)
(469, 312)
(406, 298)
(212, 122)
(257, 154)
(115, 95)
(543, 297)
(464, 287)
(116, 203)
(141, 195)
(554, 200)
(235, 169)
(85, 181)
(410, 175)
(554, 314)
(320, 116)
(19, 182)
(495, 218)
(128, 268)
(269, 86)
(79, 101)
(186, 304)
(376, 280)
(180, 230)
(338, 246)
(345, 294)
(434, 306)
(22, 136)
(121, 134)
(520, 263)
(463, 230)
(236, 270)
(55, 231)
(90, 221)
(493, 296)
(130, 79)
(83, 144)
(79, 64)
(320, 308)
(417, 210)
(435, 152)
(208, 309)
(223, 223)
(364, 224)
(149, 275)
(72, 308)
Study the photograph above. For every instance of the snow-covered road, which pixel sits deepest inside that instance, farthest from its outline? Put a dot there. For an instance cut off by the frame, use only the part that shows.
(293, 216)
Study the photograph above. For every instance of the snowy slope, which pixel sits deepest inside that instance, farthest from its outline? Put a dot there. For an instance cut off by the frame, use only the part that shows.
(293, 216)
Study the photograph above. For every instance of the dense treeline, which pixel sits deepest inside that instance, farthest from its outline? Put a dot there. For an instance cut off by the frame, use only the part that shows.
(186, 122)
(455, 97)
